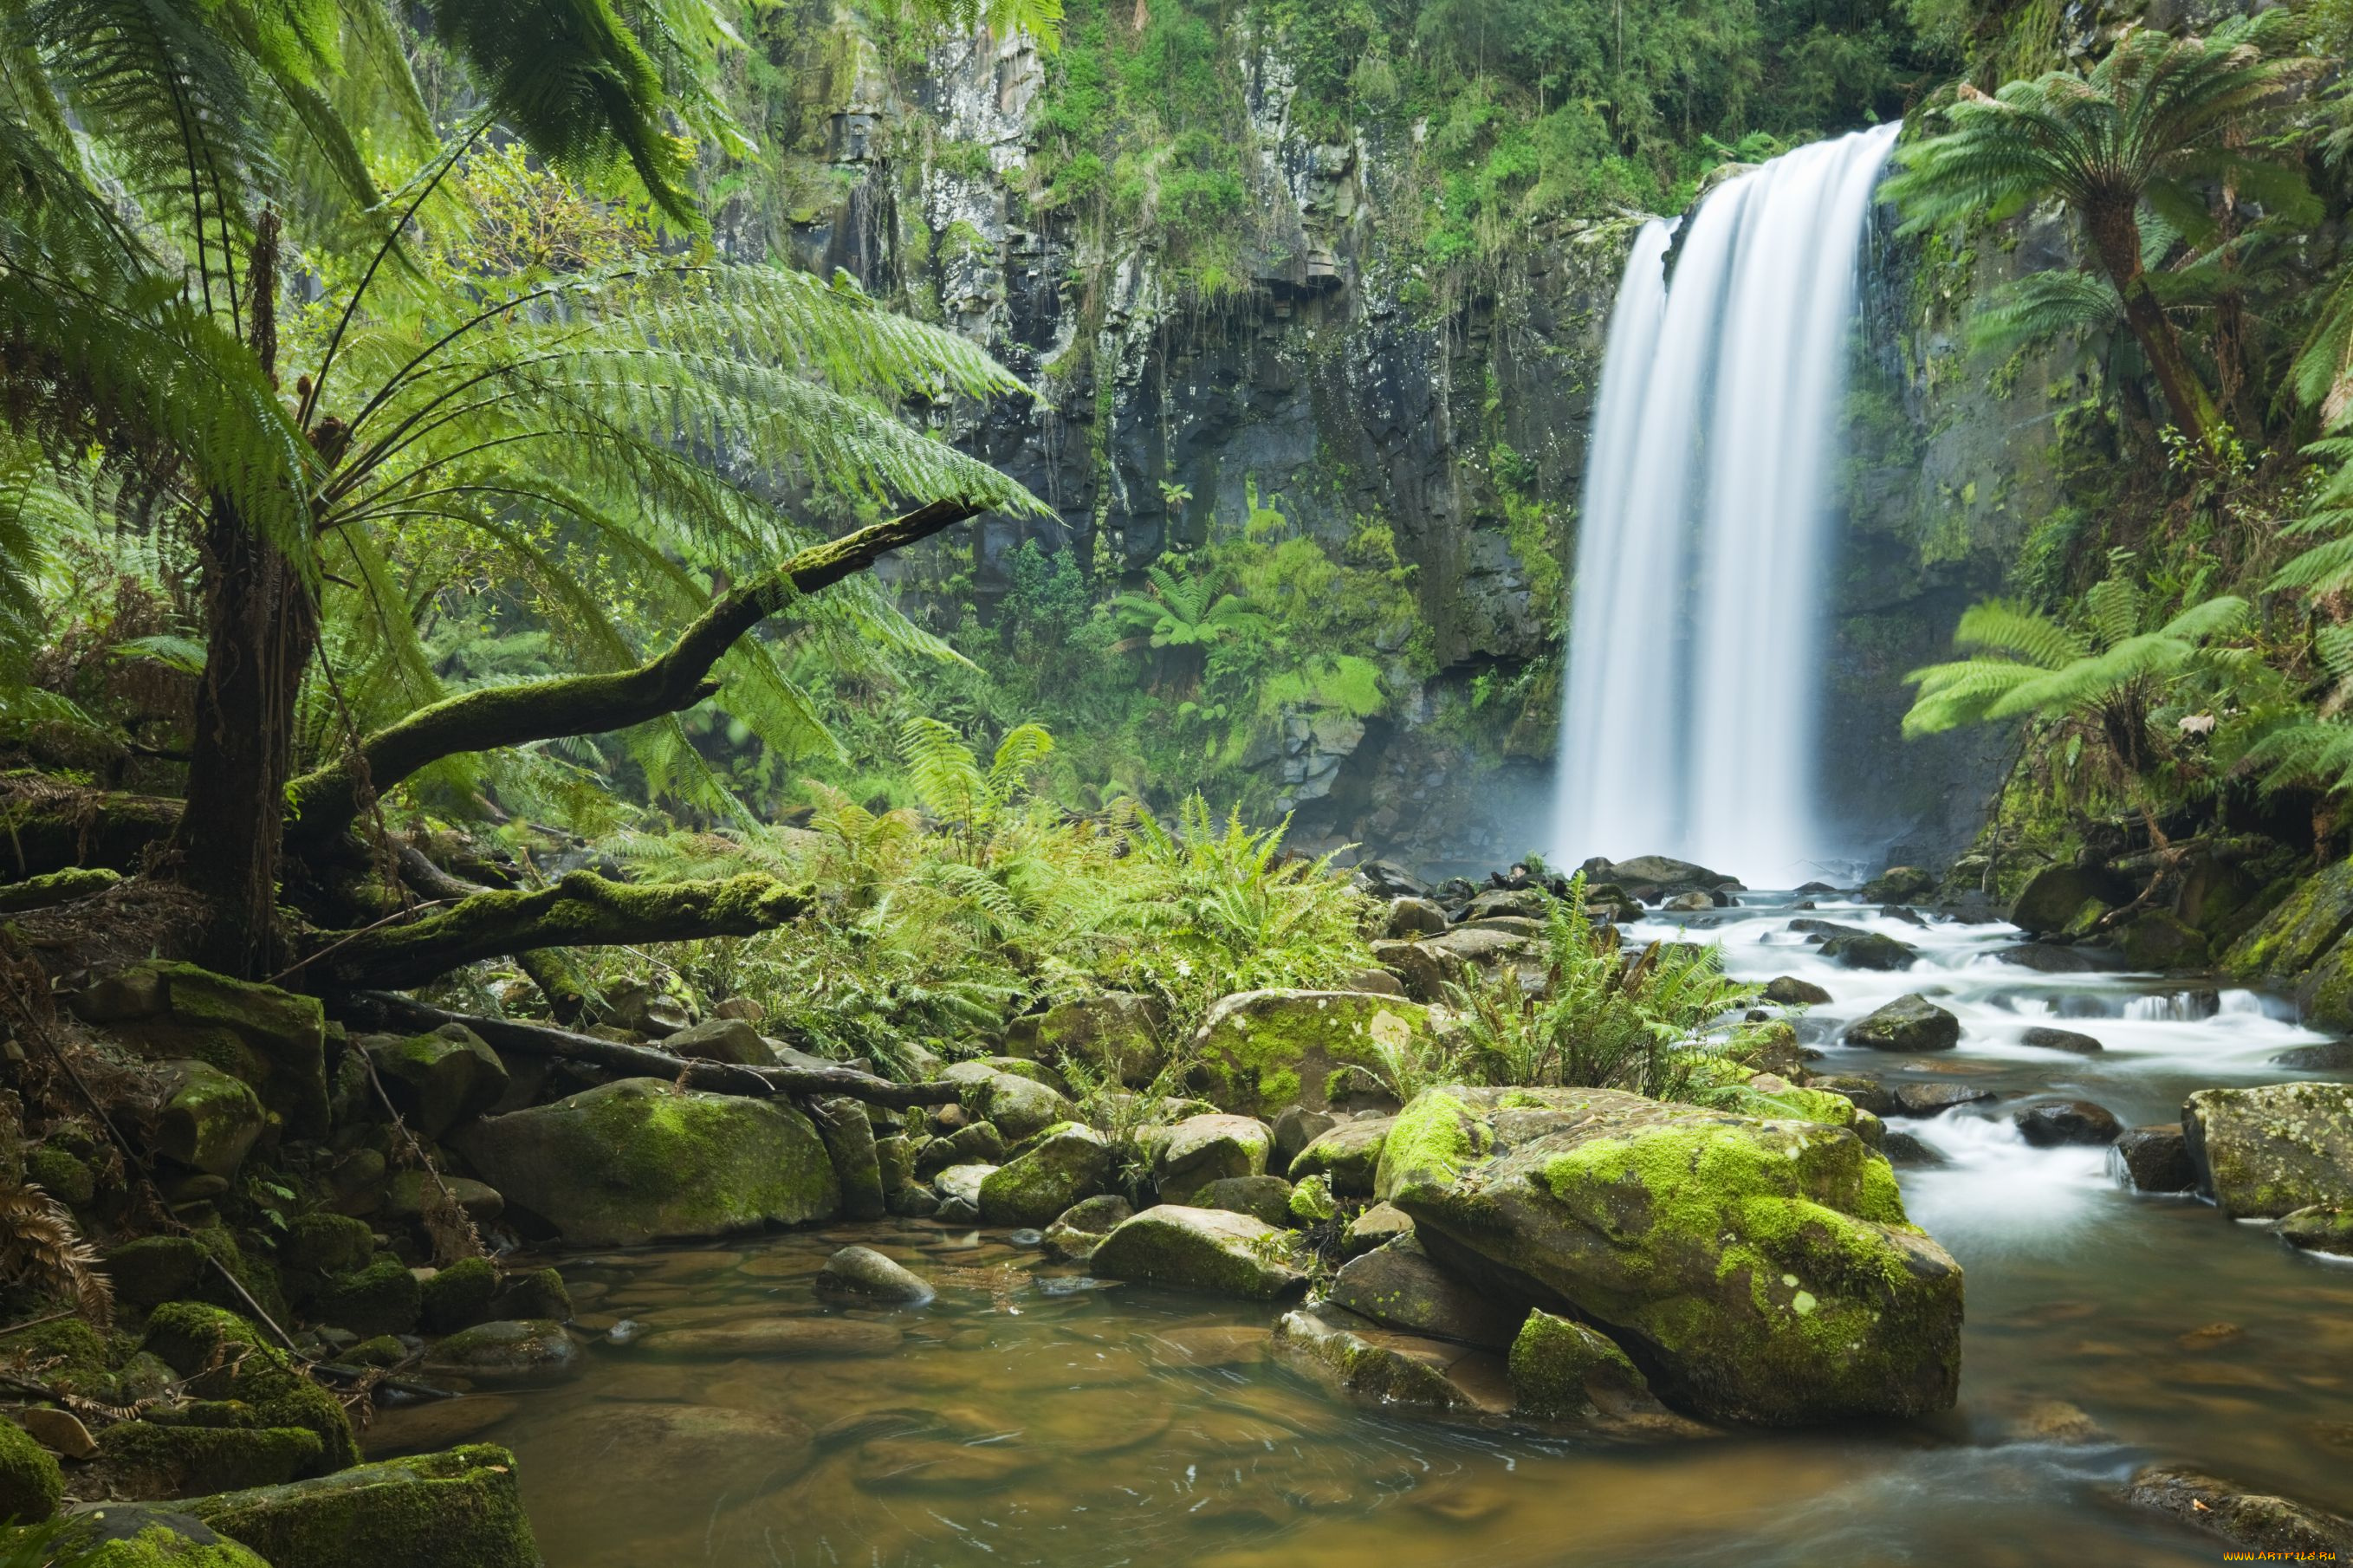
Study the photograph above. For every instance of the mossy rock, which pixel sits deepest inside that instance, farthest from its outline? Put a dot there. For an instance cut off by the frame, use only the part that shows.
(1019, 1107)
(1397, 1286)
(849, 1134)
(2299, 931)
(1347, 1156)
(2265, 1152)
(1119, 1032)
(137, 1535)
(2055, 895)
(1357, 1358)
(1078, 1230)
(326, 1244)
(224, 1357)
(1066, 1163)
(634, 1161)
(458, 1297)
(459, 1508)
(436, 1080)
(1210, 1251)
(534, 1293)
(2157, 939)
(155, 1269)
(30, 1481)
(1561, 1369)
(150, 1458)
(1199, 1150)
(56, 887)
(274, 1040)
(1910, 1023)
(519, 1353)
(382, 1298)
(209, 1117)
(1897, 885)
(1264, 1050)
(1759, 1270)
(65, 1176)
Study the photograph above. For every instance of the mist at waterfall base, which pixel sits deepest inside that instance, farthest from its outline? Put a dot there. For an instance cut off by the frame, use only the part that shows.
(1692, 708)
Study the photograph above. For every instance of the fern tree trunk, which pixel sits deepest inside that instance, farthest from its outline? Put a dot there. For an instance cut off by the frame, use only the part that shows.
(264, 629)
(2117, 237)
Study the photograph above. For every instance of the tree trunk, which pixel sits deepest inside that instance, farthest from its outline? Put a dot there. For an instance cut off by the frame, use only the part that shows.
(2117, 240)
(264, 629)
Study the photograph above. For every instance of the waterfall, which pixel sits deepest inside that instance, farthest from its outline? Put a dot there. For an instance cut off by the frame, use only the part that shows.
(1692, 705)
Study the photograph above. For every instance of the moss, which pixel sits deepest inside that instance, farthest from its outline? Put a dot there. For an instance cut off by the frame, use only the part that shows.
(1312, 1202)
(1272, 1048)
(56, 887)
(461, 1509)
(1067, 1162)
(536, 1293)
(458, 1297)
(2304, 925)
(63, 1176)
(327, 1243)
(1558, 1366)
(382, 1298)
(1434, 1140)
(74, 1356)
(135, 1541)
(30, 1481)
(224, 1357)
(156, 1459)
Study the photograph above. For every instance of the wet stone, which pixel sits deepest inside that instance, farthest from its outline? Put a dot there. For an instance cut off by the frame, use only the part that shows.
(2069, 1122)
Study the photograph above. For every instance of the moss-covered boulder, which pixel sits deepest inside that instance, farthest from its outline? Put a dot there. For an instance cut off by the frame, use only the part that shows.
(849, 1134)
(2155, 939)
(273, 1040)
(1397, 1286)
(534, 1293)
(208, 1120)
(1262, 1050)
(2299, 931)
(2052, 897)
(30, 1481)
(461, 1509)
(1758, 1271)
(1210, 1251)
(1346, 1155)
(138, 1535)
(1017, 1105)
(2264, 1152)
(517, 1353)
(1897, 885)
(1118, 1032)
(1078, 1230)
(632, 1161)
(457, 1297)
(1199, 1150)
(2321, 1228)
(219, 1451)
(722, 1041)
(436, 1080)
(1068, 1161)
(382, 1298)
(1562, 1369)
(155, 1269)
(223, 1357)
(326, 1244)
(1910, 1023)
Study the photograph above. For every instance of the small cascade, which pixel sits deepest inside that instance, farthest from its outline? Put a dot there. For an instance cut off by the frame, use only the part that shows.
(1693, 701)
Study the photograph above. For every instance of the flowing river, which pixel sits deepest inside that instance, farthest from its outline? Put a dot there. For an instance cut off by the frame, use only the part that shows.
(1031, 1417)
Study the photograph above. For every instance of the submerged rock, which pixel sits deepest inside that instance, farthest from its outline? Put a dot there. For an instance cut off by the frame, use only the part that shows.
(1211, 1250)
(1935, 1098)
(2254, 1520)
(2156, 1158)
(633, 1161)
(1910, 1023)
(864, 1271)
(1266, 1049)
(2265, 1152)
(1763, 1270)
(459, 1508)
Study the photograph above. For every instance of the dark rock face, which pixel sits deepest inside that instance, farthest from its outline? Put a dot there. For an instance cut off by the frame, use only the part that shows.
(2156, 1158)
(2070, 1121)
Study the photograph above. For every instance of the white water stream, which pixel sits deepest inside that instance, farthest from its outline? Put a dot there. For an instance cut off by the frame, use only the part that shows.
(1692, 705)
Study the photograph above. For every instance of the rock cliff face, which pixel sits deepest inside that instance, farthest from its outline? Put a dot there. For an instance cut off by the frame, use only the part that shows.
(1341, 383)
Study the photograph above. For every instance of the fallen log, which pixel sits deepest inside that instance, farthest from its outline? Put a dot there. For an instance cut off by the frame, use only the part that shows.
(383, 1008)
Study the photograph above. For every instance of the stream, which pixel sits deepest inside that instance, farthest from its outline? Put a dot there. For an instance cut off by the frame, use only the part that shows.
(1029, 1415)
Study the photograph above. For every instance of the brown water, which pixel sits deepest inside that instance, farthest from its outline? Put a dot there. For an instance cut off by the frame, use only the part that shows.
(1031, 1417)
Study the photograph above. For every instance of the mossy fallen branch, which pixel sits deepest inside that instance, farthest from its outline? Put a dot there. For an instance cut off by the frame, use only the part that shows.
(46, 827)
(379, 1009)
(327, 801)
(583, 910)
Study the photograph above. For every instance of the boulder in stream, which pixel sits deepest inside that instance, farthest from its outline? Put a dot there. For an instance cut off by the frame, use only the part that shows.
(1078, 1230)
(2265, 1152)
(1210, 1251)
(1759, 1270)
(1066, 1163)
(1789, 990)
(863, 1271)
(2156, 1158)
(459, 1509)
(1397, 1286)
(2049, 1125)
(1868, 950)
(2045, 1038)
(2155, 939)
(1355, 1356)
(2333, 1056)
(2257, 1521)
(629, 1161)
(1910, 1023)
(2320, 1229)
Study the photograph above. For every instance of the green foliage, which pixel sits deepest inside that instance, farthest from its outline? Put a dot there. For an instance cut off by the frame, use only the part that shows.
(1654, 1024)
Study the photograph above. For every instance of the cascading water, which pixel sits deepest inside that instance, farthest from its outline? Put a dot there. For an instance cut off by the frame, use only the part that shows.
(1693, 692)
